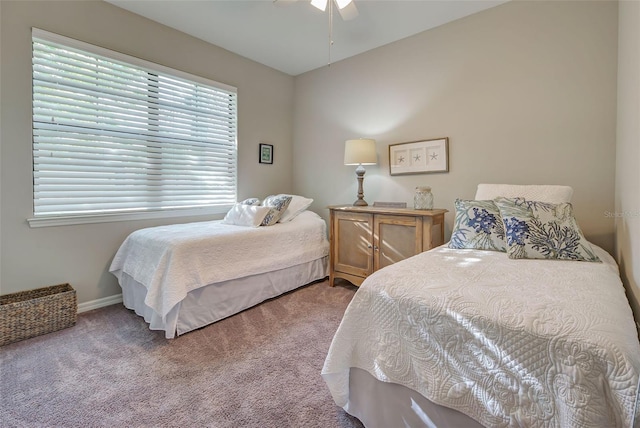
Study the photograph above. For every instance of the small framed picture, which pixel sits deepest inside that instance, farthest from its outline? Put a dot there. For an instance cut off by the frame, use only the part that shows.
(266, 153)
(419, 157)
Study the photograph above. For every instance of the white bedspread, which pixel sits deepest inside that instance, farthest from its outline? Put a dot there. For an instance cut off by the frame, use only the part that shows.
(172, 260)
(535, 343)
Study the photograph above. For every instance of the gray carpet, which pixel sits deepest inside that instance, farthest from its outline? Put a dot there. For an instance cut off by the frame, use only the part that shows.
(260, 368)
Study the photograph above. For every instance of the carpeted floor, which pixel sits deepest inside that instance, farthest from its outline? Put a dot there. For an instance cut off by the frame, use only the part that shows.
(260, 368)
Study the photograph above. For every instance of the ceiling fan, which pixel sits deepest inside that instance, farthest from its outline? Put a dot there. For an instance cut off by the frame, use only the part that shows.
(346, 8)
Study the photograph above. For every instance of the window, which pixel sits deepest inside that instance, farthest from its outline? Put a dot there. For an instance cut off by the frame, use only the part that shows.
(115, 135)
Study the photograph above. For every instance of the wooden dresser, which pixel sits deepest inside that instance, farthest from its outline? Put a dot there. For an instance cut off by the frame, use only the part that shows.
(365, 239)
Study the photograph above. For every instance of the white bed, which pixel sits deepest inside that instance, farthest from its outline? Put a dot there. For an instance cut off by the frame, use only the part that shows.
(467, 337)
(507, 342)
(185, 276)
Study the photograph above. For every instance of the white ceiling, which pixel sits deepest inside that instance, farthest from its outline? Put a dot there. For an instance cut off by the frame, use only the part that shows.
(292, 36)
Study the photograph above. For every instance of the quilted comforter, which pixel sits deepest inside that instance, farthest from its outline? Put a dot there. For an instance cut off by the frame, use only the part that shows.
(536, 343)
(172, 260)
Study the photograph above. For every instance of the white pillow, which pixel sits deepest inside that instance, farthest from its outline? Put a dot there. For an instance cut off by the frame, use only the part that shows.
(246, 215)
(297, 205)
(552, 194)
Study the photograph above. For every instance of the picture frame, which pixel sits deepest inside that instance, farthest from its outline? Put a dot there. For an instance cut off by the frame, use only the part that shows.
(265, 153)
(419, 157)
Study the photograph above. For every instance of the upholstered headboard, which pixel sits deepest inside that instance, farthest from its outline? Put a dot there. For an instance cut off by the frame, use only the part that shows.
(545, 193)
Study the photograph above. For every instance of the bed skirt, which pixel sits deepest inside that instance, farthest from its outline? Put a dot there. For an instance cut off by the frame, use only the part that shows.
(214, 302)
(381, 405)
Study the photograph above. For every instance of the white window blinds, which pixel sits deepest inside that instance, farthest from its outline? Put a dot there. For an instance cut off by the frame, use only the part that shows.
(116, 134)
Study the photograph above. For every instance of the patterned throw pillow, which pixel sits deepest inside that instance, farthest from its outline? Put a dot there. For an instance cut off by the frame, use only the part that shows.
(540, 230)
(477, 226)
(250, 201)
(278, 205)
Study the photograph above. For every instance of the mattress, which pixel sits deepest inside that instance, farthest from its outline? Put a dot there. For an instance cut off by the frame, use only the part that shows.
(505, 342)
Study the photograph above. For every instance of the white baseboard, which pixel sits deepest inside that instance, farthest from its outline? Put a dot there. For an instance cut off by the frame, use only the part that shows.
(99, 303)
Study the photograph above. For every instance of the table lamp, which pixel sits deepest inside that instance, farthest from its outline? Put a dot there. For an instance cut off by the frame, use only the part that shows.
(360, 152)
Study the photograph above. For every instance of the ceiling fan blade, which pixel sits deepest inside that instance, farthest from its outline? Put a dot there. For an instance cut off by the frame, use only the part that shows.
(349, 12)
(320, 4)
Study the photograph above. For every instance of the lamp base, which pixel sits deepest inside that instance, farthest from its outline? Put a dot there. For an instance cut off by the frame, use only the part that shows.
(360, 202)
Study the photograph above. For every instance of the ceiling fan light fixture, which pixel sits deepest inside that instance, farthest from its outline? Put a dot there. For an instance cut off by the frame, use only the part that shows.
(320, 4)
(342, 3)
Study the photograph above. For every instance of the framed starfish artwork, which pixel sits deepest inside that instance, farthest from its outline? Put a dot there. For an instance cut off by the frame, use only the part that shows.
(419, 157)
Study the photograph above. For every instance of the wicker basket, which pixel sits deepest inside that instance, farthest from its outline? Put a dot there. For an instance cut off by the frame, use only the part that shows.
(31, 313)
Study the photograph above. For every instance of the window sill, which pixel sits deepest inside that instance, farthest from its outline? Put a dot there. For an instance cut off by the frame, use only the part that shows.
(68, 220)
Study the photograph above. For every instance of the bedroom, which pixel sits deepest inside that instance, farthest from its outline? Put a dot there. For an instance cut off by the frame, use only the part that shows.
(523, 75)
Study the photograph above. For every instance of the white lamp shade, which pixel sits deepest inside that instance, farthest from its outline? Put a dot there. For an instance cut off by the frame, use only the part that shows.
(360, 152)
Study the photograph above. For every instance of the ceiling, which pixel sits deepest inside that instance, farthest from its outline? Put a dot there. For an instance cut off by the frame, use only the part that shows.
(292, 36)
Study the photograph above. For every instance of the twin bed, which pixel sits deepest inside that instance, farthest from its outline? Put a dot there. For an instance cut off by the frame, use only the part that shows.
(497, 336)
(183, 277)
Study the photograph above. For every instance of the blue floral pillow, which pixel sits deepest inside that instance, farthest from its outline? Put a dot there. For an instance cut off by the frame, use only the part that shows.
(278, 205)
(477, 226)
(250, 202)
(540, 230)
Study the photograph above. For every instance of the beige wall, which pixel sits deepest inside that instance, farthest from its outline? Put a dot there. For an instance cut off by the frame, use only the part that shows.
(628, 152)
(525, 91)
(81, 254)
